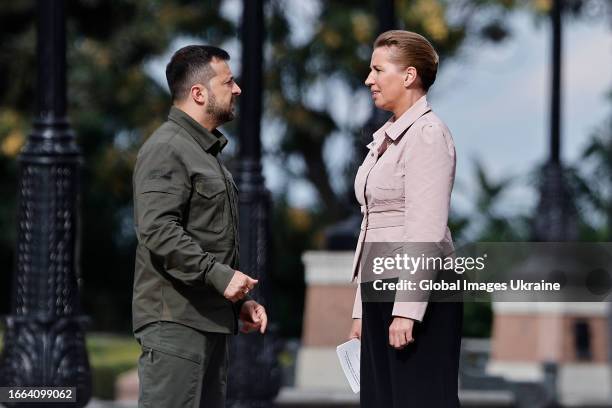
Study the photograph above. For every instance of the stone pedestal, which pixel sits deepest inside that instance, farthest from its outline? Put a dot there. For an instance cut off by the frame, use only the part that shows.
(327, 319)
(126, 386)
(572, 335)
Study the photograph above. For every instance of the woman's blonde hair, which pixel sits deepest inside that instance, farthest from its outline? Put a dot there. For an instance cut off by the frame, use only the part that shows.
(409, 49)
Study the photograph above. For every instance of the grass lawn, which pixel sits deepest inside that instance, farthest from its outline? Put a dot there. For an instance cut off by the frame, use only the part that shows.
(109, 356)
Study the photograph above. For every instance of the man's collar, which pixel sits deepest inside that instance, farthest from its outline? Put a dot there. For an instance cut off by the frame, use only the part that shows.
(393, 129)
(211, 141)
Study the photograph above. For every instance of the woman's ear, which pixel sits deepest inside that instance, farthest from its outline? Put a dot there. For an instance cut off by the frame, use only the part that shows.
(410, 76)
(199, 94)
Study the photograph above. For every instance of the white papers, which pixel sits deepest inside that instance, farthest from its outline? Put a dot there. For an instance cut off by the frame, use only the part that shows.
(349, 354)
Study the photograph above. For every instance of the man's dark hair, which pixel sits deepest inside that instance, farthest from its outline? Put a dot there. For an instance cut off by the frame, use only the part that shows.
(190, 65)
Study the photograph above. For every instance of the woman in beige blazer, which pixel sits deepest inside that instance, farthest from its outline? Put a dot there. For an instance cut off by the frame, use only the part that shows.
(410, 350)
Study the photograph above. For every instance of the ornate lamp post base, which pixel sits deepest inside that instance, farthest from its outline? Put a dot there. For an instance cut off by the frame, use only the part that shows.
(46, 353)
(44, 343)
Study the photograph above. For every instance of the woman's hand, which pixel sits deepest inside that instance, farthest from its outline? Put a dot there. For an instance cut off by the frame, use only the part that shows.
(400, 332)
(355, 332)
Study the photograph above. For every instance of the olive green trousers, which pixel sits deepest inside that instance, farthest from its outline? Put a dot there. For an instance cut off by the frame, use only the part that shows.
(181, 367)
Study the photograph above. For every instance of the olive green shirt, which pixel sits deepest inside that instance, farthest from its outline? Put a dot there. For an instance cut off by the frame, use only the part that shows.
(186, 221)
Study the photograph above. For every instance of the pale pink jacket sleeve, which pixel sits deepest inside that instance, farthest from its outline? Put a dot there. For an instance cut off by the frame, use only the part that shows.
(357, 305)
(429, 164)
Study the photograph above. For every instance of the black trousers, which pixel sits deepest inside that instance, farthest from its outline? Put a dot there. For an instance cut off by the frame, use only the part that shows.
(422, 375)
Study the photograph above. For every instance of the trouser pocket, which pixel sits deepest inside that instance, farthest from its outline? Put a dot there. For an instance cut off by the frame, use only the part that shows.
(169, 376)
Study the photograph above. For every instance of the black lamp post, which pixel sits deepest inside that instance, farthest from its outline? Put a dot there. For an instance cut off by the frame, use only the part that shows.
(44, 342)
(556, 219)
(343, 235)
(385, 12)
(254, 376)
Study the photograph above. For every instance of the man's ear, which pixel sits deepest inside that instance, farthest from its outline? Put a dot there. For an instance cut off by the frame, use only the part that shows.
(410, 76)
(199, 94)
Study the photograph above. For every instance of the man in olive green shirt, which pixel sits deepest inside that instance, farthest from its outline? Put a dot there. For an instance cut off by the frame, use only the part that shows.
(188, 292)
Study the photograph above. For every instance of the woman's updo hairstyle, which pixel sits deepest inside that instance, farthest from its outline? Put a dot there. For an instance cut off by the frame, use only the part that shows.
(409, 49)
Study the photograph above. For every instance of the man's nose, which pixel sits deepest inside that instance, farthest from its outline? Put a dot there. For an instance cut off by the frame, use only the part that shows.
(236, 91)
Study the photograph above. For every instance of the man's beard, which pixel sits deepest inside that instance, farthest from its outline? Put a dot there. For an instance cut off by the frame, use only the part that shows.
(219, 114)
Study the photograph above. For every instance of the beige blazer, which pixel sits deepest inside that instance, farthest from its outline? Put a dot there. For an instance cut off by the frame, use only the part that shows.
(405, 192)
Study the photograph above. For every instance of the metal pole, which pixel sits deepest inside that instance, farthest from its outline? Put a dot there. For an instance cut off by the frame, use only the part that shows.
(254, 376)
(251, 78)
(385, 11)
(343, 235)
(555, 112)
(44, 343)
(556, 213)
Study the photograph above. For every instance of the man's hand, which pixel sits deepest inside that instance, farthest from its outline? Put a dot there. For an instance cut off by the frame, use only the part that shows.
(239, 286)
(355, 332)
(400, 332)
(253, 316)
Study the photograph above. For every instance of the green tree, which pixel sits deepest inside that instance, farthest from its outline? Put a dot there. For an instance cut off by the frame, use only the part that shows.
(488, 223)
(339, 52)
(115, 104)
(593, 184)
